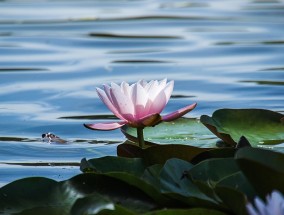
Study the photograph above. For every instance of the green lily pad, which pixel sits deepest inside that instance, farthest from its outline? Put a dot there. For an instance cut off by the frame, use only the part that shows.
(175, 183)
(235, 200)
(239, 182)
(151, 175)
(128, 170)
(45, 196)
(181, 131)
(98, 204)
(212, 171)
(208, 173)
(259, 126)
(193, 211)
(159, 154)
(214, 153)
(263, 168)
(108, 164)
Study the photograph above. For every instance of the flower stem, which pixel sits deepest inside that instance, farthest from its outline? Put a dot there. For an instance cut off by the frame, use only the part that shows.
(140, 137)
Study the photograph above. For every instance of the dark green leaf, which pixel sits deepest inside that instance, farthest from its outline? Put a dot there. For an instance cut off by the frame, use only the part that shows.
(97, 204)
(263, 168)
(214, 153)
(173, 176)
(142, 185)
(114, 164)
(92, 204)
(257, 125)
(115, 189)
(151, 175)
(208, 173)
(159, 154)
(193, 211)
(214, 170)
(233, 199)
(35, 195)
(240, 183)
(129, 149)
(174, 182)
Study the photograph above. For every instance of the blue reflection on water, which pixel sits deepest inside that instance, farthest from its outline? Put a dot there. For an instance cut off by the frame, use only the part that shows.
(54, 53)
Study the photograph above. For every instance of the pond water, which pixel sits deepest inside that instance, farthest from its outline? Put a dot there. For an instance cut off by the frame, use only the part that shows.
(221, 54)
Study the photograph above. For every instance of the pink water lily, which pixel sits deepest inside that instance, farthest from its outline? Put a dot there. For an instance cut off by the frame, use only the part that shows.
(138, 105)
(274, 205)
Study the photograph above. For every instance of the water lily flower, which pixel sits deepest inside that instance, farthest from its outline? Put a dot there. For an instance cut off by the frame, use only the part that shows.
(274, 205)
(138, 105)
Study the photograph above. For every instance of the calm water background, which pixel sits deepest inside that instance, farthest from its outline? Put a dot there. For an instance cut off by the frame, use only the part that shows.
(54, 53)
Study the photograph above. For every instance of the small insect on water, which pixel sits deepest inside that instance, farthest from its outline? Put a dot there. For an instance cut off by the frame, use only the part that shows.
(52, 138)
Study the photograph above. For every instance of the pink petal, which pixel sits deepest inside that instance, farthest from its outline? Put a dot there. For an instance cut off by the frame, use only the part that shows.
(105, 126)
(179, 113)
(163, 82)
(103, 96)
(121, 102)
(157, 89)
(148, 85)
(159, 103)
(169, 89)
(139, 99)
(125, 89)
(107, 91)
(153, 90)
(143, 83)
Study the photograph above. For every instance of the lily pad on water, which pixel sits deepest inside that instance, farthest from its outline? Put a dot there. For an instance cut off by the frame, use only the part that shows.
(185, 131)
(259, 126)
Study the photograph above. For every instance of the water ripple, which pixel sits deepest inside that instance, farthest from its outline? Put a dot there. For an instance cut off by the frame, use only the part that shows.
(53, 54)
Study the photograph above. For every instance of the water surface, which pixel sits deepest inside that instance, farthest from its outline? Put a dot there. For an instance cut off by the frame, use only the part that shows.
(221, 54)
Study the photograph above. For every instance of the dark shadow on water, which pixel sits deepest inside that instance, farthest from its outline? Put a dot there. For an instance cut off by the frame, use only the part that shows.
(181, 96)
(89, 117)
(273, 69)
(136, 51)
(21, 69)
(229, 43)
(265, 82)
(106, 35)
(18, 139)
(117, 19)
(141, 61)
(44, 164)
